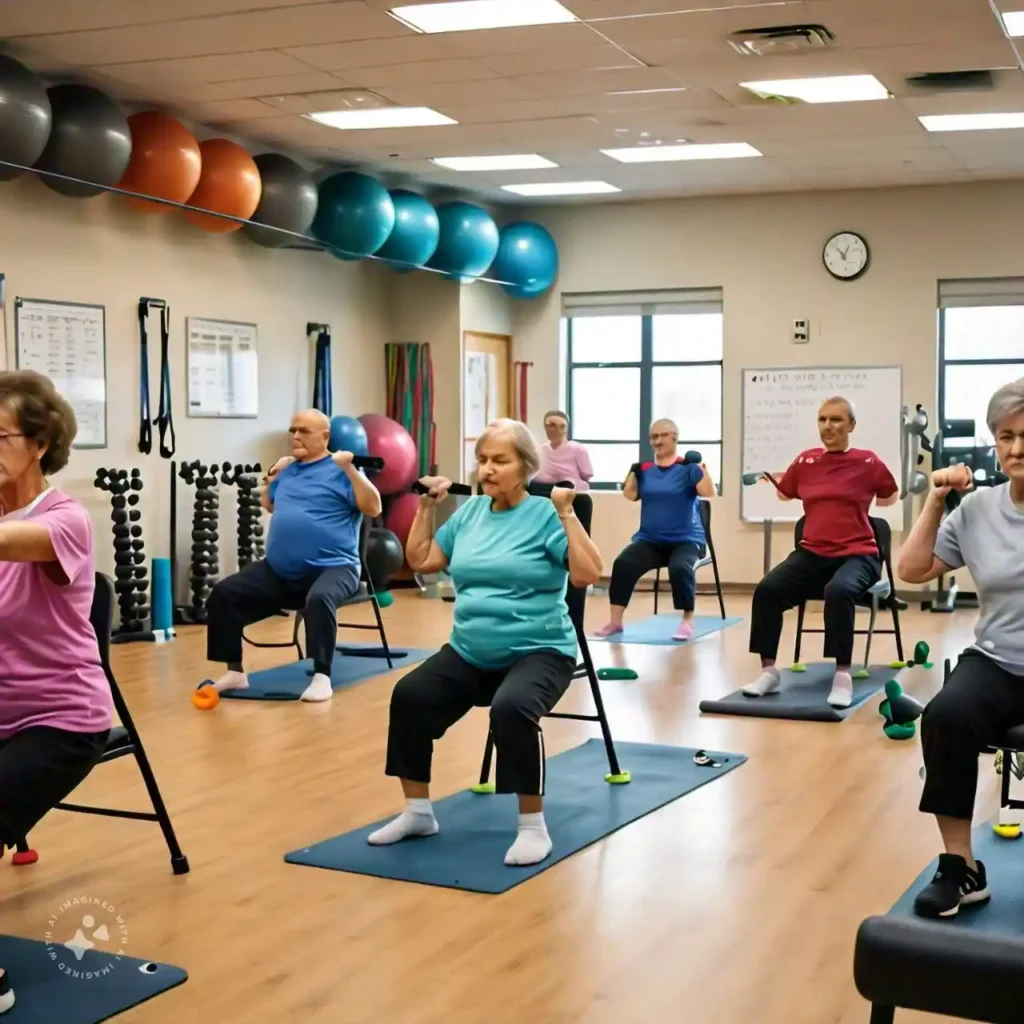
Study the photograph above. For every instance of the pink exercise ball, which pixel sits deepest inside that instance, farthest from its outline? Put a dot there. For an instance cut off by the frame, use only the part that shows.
(401, 512)
(391, 442)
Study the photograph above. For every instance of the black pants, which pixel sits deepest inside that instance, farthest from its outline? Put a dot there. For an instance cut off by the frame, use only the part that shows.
(979, 702)
(805, 576)
(640, 557)
(39, 767)
(436, 694)
(257, 592)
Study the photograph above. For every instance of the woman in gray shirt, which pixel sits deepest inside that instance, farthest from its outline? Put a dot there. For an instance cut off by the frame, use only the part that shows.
(984, 695)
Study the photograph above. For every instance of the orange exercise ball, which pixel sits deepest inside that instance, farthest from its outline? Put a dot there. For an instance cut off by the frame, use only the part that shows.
(165, 162)
(230, 183)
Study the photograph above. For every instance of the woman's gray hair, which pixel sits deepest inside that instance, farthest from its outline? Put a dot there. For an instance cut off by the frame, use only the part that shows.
(1007, 401)
(522, 439)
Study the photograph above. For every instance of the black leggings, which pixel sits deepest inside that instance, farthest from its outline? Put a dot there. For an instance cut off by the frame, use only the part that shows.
(39, 767)
(436, 694)
(968, 716)
(640, 557)
(805, 576)
(257, 592)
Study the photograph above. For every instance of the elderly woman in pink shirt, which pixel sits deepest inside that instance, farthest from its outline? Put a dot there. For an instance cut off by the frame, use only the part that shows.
(560, 458)
(56, 709)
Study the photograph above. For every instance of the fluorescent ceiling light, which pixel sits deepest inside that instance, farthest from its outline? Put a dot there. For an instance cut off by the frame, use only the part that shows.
(1014, 22)
(473, 15)
(971, 122)
(523, 162)
(562, 188)
(384, 117)
(646, 92)
(839, 89)
(664, 154)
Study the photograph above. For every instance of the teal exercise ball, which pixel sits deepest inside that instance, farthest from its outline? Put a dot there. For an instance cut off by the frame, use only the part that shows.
(527, 260)
(468, 241)
(348, 435)
(416, 232)
(354, 215)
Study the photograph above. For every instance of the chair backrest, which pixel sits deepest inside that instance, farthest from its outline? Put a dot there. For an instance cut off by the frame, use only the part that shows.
(883, 538)
(101, 615)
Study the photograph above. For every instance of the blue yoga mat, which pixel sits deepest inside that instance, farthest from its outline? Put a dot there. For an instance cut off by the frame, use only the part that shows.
(54, 983)
(657, 630)
(287, 682)
(1004, 864)
(476, 831)
(803, 696)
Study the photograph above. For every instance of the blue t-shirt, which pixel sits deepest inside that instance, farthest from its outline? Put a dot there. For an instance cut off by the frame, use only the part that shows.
(669, 513)
(316, 520)
(509, 570)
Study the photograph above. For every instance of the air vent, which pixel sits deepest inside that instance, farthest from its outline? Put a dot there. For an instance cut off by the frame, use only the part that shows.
(953, 81)
(783, 39)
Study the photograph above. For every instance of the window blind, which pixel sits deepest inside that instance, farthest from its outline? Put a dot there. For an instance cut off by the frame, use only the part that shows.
(691, 300)
(995, 291)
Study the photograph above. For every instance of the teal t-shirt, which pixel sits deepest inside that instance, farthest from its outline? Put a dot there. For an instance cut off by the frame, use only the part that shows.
(509, 570)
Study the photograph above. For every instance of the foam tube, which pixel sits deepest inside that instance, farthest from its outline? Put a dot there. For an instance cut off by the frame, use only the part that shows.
(162, 604)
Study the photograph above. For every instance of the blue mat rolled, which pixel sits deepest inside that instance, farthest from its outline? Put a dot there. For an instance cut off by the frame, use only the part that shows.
(657, 630)
(163, 595)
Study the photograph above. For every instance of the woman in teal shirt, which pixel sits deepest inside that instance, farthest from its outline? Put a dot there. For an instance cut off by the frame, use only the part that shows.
(513, 646)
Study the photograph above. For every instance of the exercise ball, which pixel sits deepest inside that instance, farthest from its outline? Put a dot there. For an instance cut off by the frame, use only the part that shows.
(89, 140)
(25, 116)
(348, 435)
(288, 201)
(467, 243)
(401, 511)
(527, 260)
(416, 232)
(391, 442)
(165, 162)
(354, 215)
(384, 557)
(229, 183)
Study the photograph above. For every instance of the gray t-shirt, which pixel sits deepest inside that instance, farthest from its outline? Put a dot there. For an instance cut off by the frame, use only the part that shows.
(985, 534)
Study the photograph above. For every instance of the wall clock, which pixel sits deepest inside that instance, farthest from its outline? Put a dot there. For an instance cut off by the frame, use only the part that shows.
(846, 255)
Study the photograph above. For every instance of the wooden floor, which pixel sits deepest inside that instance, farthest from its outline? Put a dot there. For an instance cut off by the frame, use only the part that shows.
(737, 904)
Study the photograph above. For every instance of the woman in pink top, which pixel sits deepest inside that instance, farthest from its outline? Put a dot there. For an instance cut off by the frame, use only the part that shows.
(56, 708)
(560, 458)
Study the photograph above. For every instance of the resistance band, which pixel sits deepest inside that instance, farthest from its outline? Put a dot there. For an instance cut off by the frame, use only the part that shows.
(323, 397)
(165, 416)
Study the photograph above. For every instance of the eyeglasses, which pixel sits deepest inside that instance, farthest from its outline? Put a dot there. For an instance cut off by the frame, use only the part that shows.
(5, 438)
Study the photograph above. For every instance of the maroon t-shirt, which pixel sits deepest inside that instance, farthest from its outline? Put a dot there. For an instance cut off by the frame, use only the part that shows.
(837, 489)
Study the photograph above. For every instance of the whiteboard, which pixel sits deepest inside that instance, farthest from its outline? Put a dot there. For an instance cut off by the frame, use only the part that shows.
(223, 369)
(779, 408)
(67, 342)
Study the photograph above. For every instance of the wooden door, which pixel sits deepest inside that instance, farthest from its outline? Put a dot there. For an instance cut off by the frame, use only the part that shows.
(486, 389)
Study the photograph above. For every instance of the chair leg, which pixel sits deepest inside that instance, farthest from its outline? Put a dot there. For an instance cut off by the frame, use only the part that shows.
(896, 632)
(485, 785)
(1004, 780)
(380, 629)
(718, 579)
(871, 630)
(615, 772)
(179, 862)
(882, 1014)
(657, 588)
(799, 633)
(295, 636)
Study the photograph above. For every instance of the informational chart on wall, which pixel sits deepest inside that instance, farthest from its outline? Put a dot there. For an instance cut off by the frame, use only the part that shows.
(67, 342)
(780, 420)
(223, 369)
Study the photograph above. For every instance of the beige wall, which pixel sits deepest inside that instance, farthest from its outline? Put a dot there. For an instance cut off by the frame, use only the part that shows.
(765, 252)
(100, 251)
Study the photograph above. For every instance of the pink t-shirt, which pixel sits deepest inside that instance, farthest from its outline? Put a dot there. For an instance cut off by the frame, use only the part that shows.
(50, 671)
(569, 461)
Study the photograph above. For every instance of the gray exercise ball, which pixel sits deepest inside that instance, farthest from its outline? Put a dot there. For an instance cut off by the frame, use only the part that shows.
(90, 140)
(288, 201)
(24, 116)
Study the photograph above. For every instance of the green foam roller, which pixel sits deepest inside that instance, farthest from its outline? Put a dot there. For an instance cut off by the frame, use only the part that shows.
(618, 780)
(799, 667)
(616, 673)
(482, 788)
(862, 673)
(899, 732)
(386, 599)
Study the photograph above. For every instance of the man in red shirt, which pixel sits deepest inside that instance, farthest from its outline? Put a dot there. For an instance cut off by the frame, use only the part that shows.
(838, 553)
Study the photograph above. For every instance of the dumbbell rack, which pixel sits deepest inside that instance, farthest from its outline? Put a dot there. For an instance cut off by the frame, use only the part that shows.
(130, 570)
(203, 565)
(251, 545)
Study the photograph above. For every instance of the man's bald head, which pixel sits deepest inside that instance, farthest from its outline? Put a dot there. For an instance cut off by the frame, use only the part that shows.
(310, 430)
(836, 419)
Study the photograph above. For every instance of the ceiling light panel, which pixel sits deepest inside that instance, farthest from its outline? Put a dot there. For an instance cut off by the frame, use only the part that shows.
(386, 117)
(837, 89)
(971, 122)
(478, 15)
(520, 162)
(667, 154)
(562, 188)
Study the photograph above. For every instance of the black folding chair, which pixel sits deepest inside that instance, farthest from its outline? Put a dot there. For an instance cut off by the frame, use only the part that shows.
(576, 599)
(124, 739)
(707, 559)
(881, 596)
(365, 594)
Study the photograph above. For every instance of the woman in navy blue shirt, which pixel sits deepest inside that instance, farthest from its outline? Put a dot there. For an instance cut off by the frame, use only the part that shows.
(671, 533)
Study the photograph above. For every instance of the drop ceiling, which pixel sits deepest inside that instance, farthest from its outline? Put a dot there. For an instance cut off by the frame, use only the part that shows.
(627, 73)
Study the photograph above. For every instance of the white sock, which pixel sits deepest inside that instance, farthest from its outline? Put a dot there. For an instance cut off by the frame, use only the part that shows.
(319, 689)
(767, 682)
(6, 998)
(842, 690)
(232, 681)
(416, 820)
(532, 843)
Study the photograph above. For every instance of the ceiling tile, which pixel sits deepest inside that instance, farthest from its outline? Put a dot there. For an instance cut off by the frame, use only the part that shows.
(441, 94)
(370, 53)
(225, 34)
(454, 70)
(500, 41)
(243, 88)
(468, 112)
(234, 110)
(192, 70)
(576, 83)
(917, 59)
(588, 9)
(537, 62)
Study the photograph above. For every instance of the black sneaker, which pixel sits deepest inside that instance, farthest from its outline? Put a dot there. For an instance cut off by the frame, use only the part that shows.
(6, 992)
(953, 886)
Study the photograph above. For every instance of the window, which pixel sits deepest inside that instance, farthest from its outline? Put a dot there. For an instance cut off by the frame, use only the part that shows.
(631, 359)
(981, 347)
